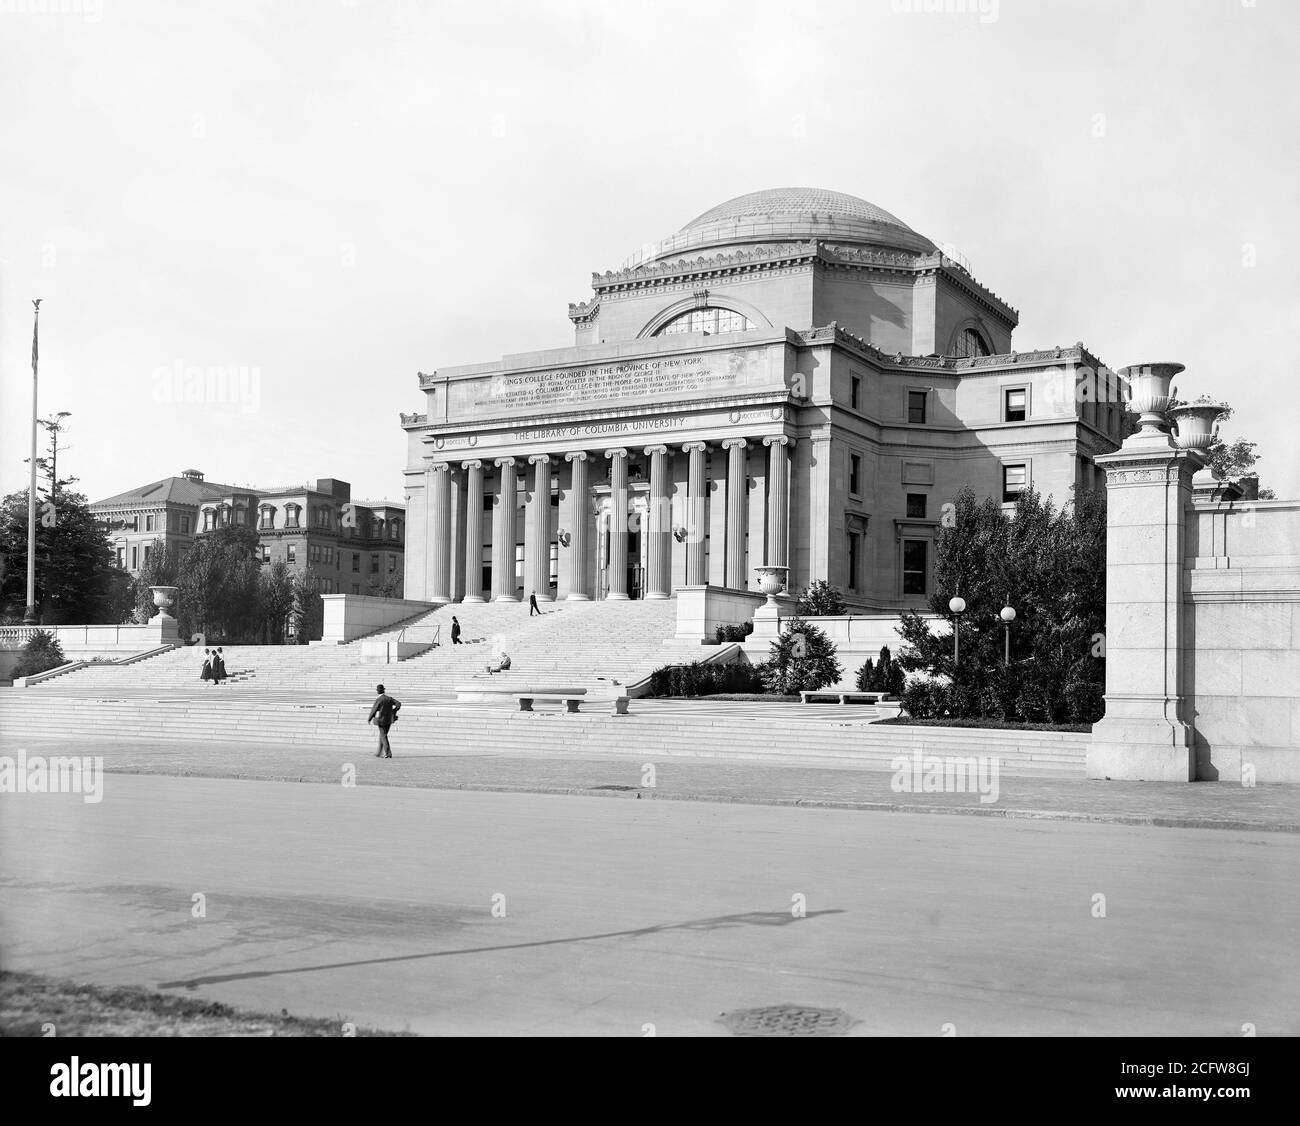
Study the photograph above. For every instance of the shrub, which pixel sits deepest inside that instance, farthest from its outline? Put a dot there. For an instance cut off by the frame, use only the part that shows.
(733, 632)
(866, 680)
(41, 653)
(802, 660)
(819, 598)
(697, 679)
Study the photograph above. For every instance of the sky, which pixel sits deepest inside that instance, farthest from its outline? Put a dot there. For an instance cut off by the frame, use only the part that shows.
(317, 199)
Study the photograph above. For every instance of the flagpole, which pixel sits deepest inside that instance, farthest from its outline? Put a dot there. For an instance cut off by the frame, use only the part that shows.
(30, 617)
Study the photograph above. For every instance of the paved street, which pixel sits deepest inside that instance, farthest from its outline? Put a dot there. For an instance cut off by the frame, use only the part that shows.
(375, 904)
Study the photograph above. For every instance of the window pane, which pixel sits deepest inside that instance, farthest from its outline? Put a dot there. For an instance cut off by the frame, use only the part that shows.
(914, 559)
(916, 506)
(916, 406)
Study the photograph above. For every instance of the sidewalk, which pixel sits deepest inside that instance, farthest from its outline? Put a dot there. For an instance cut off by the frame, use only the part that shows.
(1211, 805)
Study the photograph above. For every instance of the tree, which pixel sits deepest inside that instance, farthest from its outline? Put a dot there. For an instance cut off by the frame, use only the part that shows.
(385, 586)
(76, 578)
(802, 660)
(161, 568)
(276, 600)
(819, 599)
(219, 586)
(1051, 565)
(308, 614)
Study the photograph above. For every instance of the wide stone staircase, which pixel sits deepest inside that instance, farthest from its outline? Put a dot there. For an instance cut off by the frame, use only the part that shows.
(594, 644)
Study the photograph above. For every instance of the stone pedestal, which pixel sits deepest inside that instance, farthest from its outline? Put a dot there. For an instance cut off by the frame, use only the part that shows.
(1145, 733)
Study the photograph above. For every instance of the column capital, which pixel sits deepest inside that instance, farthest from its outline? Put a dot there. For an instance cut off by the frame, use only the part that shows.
(778, 440)
(656, 450)
(539, 459)
(620, 451)
(504, 462)
(576, 455)
(440, 467)
(735, 443)
(694, 447)
(475, 464)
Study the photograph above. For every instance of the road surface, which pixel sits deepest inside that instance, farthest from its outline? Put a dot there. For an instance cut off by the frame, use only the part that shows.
(524, 914)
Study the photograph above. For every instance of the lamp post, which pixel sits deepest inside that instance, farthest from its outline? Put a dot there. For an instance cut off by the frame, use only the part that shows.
(956, 605)
(1008, 615)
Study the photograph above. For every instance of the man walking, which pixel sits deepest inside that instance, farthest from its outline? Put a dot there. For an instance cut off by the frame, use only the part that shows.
(532, 604)
(455, 631)
(383, 715)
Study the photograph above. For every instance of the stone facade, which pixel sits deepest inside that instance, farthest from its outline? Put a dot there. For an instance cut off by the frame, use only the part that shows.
(795, 379)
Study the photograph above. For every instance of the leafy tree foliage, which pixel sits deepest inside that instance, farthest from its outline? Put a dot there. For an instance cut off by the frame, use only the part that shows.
(308, 613)
(76, 579)
(42, 652)
(275, 600)
(819, 598)
(1051, 566)
(802, 660)
(161, 569)
(887, 676)
(219, 581)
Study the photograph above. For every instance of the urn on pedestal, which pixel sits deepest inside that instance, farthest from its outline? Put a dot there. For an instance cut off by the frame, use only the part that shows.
(164, 597)
(1149, 395)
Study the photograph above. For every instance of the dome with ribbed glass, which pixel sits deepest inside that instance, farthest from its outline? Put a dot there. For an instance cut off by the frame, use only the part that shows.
(794, 214)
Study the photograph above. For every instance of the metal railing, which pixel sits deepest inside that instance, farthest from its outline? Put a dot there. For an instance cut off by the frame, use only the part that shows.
(435, 640)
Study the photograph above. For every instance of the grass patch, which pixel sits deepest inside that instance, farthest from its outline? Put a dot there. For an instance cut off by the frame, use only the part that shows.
(30, 1001)
(998, 724)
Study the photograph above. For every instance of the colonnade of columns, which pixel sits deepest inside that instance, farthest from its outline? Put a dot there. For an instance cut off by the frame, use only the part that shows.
(658, 527)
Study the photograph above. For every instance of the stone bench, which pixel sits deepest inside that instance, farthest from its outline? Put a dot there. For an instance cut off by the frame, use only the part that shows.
(570, 697)
(834, 696)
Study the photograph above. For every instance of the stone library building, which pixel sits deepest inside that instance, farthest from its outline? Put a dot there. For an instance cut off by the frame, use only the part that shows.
(795, 379)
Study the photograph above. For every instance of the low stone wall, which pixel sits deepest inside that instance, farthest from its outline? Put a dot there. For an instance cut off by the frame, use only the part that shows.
(1241, 620)
(349, 616)
(701, 609)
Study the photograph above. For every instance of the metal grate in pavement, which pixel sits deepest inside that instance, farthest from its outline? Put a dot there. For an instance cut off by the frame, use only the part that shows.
(787, 1020)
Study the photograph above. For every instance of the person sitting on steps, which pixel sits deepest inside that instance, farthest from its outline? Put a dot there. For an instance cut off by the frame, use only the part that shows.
(503, 663)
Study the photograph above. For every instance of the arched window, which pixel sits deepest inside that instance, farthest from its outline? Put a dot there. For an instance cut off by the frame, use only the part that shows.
(970, 343)
(710, 320)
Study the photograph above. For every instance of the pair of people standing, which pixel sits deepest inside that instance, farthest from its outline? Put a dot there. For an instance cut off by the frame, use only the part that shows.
(214, 666)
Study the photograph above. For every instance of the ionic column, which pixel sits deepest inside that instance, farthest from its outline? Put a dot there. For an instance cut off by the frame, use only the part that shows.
(617, 524)
(579, 523)
(473, 531)
(736, 489)
(537, 530)
(659, 570)
(778, 500)
(695, 528)
(503, 534)
(440, 563)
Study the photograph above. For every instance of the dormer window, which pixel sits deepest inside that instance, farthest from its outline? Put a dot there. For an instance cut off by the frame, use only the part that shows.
(970, 343)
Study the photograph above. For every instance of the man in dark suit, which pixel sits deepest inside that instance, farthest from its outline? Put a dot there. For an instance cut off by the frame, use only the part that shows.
(383, 715)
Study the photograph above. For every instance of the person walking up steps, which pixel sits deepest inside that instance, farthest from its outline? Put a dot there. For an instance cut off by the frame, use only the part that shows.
(206, 674)
(218, 666)
(383, 715)
(532, 605)
(455, 631)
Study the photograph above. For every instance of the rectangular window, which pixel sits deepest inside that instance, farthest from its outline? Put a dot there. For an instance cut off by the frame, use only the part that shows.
(916, 506)
(148, 524)
(855, 474)
(855, 393)
(135, 558)
(854, 551)
(291, 516)
(313, 553)
(392, 564)
(1014, 402)
(374, 564)
(356, 562)
(1014, 480)
(914, 559)
(356, 588)
(266, 553)
(292, 557)
(329, 555)
(146, 555)
(121, 558)
(185, 525)
(916, 406)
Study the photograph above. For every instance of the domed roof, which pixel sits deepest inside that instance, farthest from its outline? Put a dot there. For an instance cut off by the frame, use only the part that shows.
(793, 214)
(796, 202)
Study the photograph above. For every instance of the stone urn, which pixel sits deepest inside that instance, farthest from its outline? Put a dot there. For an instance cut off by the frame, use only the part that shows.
(1198, 425)
(1150, 392)
(164, 597)
(771, 581)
